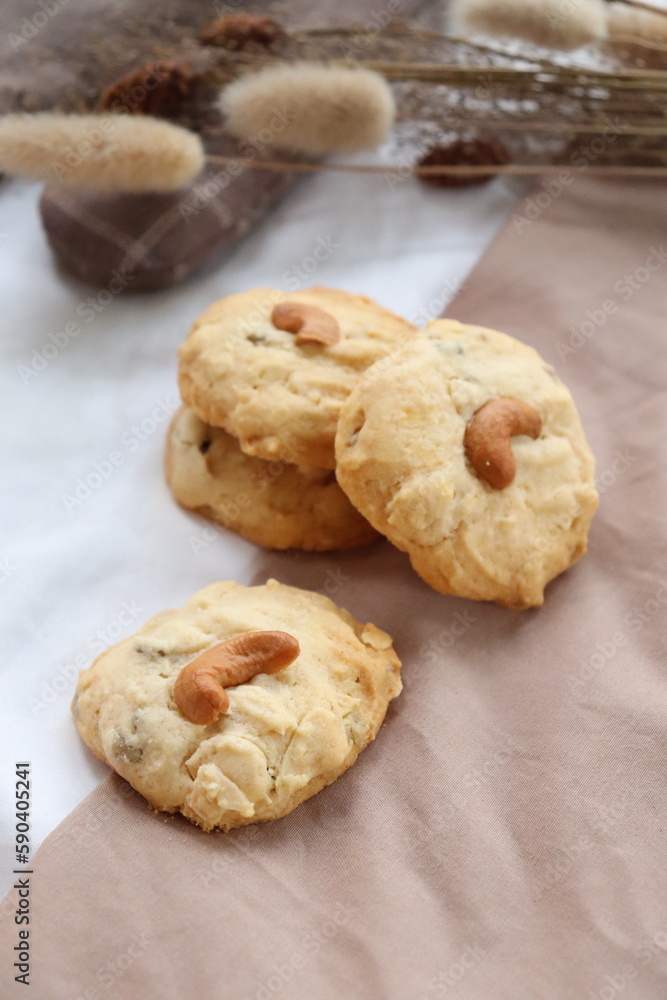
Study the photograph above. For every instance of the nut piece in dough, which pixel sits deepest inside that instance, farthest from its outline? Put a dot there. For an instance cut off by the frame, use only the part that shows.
(488, 436)
(199, 689)
(310, 324)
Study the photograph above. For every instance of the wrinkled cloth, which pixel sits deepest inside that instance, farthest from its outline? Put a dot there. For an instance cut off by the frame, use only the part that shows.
(504, 837)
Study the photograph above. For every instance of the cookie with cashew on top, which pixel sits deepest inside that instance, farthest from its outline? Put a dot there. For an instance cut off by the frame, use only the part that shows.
(274, 504)
(241, 704)
(273, 368)
(466, 450)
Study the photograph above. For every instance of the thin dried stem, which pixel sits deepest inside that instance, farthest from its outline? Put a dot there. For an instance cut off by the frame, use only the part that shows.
(374, 168)
(534, 102)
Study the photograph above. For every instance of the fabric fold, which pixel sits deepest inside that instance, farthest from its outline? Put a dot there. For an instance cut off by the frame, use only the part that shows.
(504, 836)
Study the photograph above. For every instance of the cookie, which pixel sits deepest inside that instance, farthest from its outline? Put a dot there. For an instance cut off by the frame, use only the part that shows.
(281, 396)
(274, 504)
(443, 488)
(285, 735)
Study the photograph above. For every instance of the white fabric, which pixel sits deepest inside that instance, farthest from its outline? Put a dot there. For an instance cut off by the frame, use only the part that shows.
(78, 573)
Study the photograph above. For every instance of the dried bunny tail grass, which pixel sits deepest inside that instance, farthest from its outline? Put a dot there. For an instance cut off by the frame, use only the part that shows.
(310, 109)
(102, 152)
(558, 24)
(626, 22)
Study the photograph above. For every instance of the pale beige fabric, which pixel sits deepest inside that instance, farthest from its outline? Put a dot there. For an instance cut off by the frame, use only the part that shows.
(504, 838)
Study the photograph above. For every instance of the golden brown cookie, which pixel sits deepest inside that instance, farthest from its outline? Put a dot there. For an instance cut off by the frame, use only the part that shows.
(281, 396)
(490, 508)
(286, 734)
(274, 504)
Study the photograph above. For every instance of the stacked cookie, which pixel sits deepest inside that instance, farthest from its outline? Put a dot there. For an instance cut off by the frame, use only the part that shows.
(458, 443)
(466, 450)
(263, 375)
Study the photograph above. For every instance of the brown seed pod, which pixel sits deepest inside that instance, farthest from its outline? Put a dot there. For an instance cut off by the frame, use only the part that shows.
(156, 89)
(480, 152)
(235, 31)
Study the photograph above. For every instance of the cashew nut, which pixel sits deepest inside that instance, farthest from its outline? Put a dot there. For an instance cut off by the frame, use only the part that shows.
(487, 438)
(199, 690)
(310, 324)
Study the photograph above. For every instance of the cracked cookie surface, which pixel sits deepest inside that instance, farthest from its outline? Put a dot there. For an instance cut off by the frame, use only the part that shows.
(274, 504)
(279, 398)
(287, 735)
(402, 461)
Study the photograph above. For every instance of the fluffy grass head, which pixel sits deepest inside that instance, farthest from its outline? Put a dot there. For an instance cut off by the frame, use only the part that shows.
(627, 22)
(557, 24)
(311, 109)
(102, 152)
